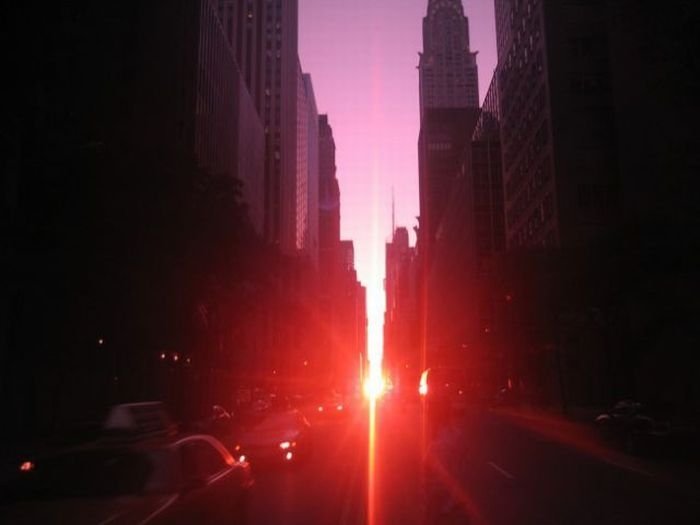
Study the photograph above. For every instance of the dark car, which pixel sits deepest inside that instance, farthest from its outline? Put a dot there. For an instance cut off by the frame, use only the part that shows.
(282, 437)
(633, 426)
(647, 429)
(191, 479)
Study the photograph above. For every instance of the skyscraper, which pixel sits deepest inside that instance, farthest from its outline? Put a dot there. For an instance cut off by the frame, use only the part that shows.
(449, 104)
(449, 109)
(447, 68)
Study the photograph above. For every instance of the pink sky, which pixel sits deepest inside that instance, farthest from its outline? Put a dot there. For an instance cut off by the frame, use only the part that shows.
(362, 57)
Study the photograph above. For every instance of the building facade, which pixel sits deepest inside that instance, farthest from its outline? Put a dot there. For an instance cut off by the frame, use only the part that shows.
(483, 163)
(444, 136)
(306, 194)
(312, 243)
(280, 73)
(243, 22)
(558, 137)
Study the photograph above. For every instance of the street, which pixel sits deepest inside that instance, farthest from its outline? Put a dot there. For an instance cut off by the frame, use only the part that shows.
(506, 470)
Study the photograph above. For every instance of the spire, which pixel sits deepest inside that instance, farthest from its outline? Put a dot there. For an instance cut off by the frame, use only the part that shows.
(393, 214)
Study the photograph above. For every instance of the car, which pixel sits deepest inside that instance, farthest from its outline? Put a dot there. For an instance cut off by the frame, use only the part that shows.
(633, 426)
(281, 437)
(651, 429)
(189, 479)
(331, 406)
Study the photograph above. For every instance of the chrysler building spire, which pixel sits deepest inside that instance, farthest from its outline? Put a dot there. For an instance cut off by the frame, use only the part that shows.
(447, 69)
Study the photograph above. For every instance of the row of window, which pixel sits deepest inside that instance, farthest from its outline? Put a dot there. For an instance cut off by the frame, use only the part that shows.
(216, 83)
(539, 221)
(517, 130)
(530, 190)
(526, 36)
(439, 146)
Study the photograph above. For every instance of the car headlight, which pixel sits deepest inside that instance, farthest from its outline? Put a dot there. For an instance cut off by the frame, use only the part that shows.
(285, 445)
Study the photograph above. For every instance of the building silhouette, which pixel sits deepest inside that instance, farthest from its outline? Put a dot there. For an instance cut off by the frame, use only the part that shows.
(401, 347)
(449, 109)
(146, 113)
(595, 153)
(329, 207)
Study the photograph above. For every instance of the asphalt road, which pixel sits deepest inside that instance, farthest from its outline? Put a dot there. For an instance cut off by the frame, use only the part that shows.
(498, 468)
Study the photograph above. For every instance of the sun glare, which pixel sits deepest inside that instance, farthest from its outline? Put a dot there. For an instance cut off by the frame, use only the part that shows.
(374, 387)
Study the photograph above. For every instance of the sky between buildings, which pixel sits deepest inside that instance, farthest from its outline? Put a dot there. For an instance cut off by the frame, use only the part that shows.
(362, 56)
